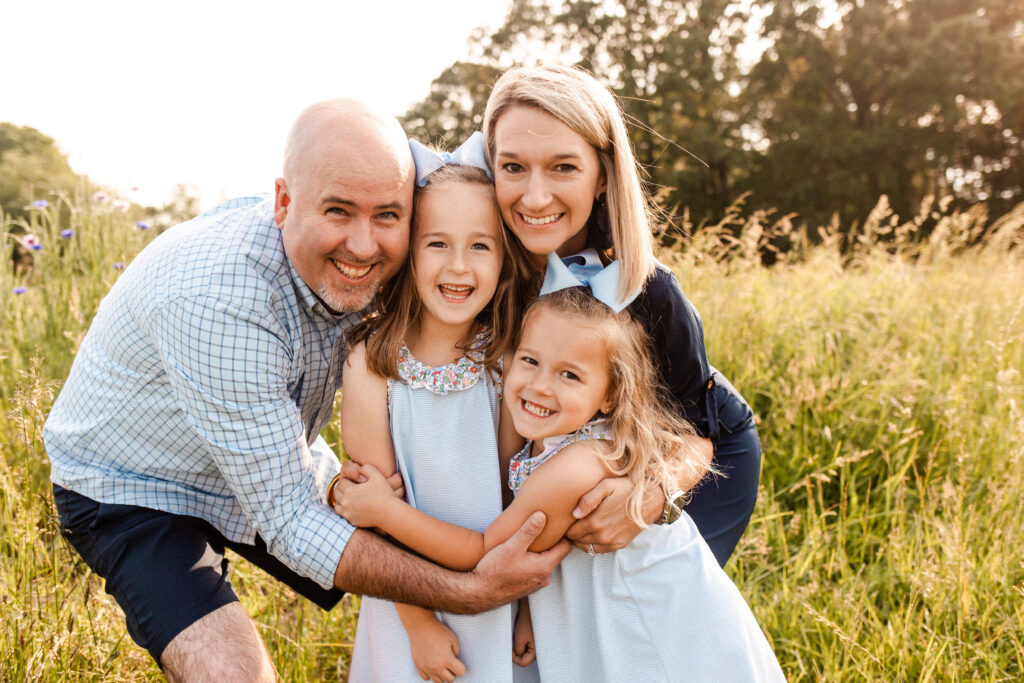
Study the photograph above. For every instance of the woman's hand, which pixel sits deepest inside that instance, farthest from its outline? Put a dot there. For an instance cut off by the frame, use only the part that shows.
(365, 504)
(602, 523)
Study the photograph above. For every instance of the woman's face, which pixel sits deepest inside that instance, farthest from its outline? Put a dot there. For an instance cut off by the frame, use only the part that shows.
(547, 177)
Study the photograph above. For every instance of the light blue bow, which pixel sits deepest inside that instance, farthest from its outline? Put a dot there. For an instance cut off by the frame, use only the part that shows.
(603, 281)
(469, 153)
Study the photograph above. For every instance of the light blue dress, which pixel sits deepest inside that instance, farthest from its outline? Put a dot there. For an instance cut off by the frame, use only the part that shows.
(660, 609)
(443, 425)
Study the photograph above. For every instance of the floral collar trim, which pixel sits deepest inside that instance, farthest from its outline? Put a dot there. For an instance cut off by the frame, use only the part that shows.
(523, 464)
(458, 376)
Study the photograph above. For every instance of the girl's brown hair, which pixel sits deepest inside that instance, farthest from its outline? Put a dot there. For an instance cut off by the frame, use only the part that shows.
(651, 443)
(397, 306)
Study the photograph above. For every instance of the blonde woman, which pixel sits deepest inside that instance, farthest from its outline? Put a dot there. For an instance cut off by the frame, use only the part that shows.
(567, 185)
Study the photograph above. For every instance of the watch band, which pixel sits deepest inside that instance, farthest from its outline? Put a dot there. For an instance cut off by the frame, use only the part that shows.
(673, 509)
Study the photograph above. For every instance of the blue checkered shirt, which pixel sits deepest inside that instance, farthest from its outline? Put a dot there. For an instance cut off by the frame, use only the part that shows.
(201, 388)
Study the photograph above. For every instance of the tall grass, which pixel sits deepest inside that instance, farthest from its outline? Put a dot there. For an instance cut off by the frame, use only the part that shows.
(885, 371)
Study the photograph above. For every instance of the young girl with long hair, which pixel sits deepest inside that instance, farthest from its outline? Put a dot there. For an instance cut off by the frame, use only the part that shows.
(581, 387)
(426, 371)
(567, 185)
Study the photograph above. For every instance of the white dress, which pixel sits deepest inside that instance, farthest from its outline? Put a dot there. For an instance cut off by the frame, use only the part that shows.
(660, 609)
(443, 425)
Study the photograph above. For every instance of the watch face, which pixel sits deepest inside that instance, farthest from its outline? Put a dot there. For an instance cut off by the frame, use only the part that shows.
(674, 513)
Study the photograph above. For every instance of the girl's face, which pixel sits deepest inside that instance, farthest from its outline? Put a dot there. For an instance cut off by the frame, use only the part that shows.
(558, 380)
(547, 177)
(457, 251)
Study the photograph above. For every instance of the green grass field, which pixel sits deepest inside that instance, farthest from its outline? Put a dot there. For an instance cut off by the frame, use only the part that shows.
(886, 543)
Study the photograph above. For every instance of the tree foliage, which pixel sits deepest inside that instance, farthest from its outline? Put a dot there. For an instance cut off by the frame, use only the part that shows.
(31, 167)
(813, 106)
(905, 99)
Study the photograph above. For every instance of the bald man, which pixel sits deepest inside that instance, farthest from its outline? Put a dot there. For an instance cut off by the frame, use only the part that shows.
(190, 420)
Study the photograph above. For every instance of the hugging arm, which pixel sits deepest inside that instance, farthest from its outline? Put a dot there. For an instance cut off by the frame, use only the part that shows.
(553, 488)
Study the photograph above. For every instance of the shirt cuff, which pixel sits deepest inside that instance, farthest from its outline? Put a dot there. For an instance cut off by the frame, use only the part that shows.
(324, 535)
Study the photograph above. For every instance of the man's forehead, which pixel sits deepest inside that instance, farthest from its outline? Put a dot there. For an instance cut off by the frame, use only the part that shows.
(366, 188)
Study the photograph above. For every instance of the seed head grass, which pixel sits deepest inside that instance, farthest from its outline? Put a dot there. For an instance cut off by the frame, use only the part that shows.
(883, 362)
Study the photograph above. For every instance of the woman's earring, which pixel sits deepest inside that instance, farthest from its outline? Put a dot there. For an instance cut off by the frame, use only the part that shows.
(599, 225)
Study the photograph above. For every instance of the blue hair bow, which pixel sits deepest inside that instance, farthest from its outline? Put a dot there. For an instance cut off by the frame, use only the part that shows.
(603, 281)
(469, 153)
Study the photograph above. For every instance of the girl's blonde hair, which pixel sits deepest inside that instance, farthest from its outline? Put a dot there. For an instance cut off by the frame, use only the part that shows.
(397, 306)
(651, 443)
(590, 110)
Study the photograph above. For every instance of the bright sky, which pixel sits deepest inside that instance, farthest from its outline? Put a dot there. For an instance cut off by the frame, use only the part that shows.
(152, 94)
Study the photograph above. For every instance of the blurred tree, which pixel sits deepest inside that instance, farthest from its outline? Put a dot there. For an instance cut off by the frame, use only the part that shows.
(673, 63)
(31, 167)
(858, 98)
(455, 106)
(815, 106)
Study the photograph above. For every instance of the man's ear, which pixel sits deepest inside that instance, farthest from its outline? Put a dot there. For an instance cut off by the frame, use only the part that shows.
(282, 200)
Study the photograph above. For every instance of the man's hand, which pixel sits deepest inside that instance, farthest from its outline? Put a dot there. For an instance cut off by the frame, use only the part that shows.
(510, 570)
(372, 566)
(601, 516)
(352, 475)
(435, 651)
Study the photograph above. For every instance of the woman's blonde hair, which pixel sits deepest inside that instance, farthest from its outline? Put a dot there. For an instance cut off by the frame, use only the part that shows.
(397, 306)
(651, 443)
(590, 110)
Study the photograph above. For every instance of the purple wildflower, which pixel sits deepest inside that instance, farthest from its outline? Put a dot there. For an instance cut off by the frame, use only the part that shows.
(30, 241)
(121, 205)
(67, 233)
(19, 290)
(142, 225)
(40, 204)
(119, 265)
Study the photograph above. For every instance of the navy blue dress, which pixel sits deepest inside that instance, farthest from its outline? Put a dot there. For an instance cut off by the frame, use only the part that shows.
(720, 506)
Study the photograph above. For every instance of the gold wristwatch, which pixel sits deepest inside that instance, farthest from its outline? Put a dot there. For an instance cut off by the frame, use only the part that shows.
(673, 507)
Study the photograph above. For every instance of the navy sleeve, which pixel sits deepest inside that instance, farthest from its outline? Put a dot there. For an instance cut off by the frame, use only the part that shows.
(677, 348)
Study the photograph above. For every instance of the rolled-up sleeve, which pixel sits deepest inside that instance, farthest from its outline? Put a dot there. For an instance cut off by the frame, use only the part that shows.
(232, 368)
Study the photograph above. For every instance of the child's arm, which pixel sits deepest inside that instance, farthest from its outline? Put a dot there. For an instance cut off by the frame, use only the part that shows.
(365, 425)
(524, 647)
(366, 430)
(553, 488)
(434, 647)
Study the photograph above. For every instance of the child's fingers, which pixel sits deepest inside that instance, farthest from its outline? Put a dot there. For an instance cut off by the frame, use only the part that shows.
(350, 469)
(369, 470)
(397, 484)
(457, 668)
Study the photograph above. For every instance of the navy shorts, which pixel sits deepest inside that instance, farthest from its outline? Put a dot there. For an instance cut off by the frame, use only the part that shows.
(166, 571)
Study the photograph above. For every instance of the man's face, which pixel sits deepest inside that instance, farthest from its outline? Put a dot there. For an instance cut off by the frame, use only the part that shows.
(345, 216)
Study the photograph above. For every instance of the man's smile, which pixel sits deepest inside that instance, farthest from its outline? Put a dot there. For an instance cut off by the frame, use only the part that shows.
(352, 272)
